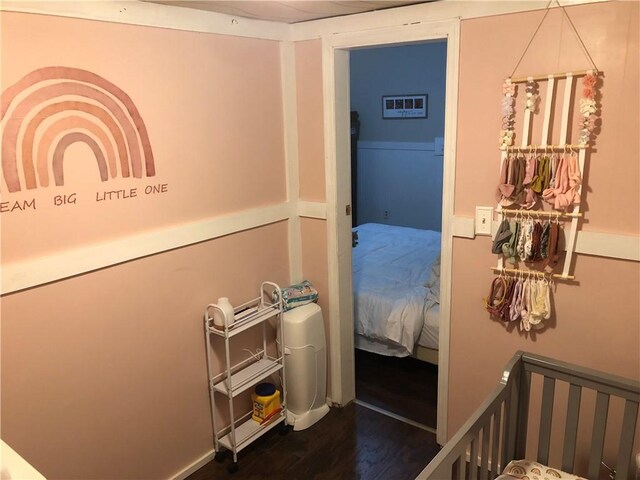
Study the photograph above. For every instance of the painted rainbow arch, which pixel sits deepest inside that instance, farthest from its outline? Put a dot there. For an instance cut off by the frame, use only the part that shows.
(60, 106)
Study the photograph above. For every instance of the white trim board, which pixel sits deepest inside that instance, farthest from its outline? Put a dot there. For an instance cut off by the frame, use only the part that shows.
(179, 18)
(412, 14)
(610, 245)
(29, 273)
(153, 15)
(599, 244)
(463, 227)
(312, 209)
(374, 145)
(195, 466)
(335, 68)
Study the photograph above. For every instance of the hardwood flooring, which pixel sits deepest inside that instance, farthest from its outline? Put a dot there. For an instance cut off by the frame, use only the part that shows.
(405, 386)
(353, 442)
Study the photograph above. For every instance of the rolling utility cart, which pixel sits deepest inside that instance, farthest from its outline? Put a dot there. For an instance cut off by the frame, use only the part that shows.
(238, 378)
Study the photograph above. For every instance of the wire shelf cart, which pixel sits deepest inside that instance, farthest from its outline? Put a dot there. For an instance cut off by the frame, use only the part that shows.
(237, 378)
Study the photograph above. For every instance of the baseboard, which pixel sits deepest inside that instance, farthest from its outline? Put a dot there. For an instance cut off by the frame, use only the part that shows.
(198, 464)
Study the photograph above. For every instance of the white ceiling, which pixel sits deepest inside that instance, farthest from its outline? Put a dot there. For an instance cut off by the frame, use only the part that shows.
(287, 11)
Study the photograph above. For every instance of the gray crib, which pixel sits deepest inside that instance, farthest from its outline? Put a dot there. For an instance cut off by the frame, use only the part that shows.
(497, 432)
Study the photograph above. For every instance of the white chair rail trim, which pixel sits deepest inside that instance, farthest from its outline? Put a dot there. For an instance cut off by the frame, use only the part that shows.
(48, 268)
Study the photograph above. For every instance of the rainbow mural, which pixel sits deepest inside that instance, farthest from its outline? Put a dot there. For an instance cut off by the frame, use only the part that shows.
(60, 106)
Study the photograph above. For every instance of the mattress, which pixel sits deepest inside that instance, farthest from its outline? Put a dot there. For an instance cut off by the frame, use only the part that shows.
(394, 289)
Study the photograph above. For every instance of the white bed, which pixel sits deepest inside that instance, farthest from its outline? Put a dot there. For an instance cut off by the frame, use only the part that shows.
(396, 287)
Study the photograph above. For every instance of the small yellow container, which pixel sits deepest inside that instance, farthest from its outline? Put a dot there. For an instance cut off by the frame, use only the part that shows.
(266, 401)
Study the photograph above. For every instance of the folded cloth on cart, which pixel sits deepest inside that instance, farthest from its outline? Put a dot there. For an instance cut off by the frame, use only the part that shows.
(525, 469)
(296, 295)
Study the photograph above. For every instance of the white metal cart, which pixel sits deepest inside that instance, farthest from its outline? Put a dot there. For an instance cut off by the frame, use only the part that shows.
(235, 379)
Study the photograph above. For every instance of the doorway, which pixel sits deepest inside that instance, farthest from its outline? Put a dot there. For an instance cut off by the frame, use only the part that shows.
(397, 97)
(336, 50)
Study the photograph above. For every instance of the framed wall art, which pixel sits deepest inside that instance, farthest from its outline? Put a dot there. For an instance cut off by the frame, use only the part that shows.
(404, 106)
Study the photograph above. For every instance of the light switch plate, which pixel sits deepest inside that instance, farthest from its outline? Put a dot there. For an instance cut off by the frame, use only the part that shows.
(438, 146)
(484, 220)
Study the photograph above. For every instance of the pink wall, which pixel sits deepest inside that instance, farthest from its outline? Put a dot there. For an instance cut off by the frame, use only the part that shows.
(312, 176)
(310, 120)
(610, 32)
(597, 318)
(314, 266)
(314, 258)
(597, 326)
(201, 96)
(104, 375)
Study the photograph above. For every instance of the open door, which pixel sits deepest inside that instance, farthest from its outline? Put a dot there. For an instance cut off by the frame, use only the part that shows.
(338, 115)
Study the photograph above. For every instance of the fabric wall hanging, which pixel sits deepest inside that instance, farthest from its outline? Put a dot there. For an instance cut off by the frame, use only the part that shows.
(539, 188)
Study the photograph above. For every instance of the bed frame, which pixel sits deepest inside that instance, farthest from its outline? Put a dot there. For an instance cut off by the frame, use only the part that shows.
(497, 432)
(426, 354)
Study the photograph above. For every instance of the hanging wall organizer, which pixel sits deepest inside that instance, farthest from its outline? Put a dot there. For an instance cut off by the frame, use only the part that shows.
(539, 190)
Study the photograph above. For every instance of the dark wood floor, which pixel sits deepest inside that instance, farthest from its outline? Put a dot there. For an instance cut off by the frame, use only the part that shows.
(353, 442)
(405, 386)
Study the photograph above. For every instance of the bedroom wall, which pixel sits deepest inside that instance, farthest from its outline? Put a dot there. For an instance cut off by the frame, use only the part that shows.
(398, 70)
(399, 169)
(596, 320)
(103, 374)
(400, 184)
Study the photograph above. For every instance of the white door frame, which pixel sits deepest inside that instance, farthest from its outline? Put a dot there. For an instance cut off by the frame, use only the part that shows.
(335, 73)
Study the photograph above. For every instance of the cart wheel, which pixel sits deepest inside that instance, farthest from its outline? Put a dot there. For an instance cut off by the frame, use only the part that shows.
(220, 456)
(233, 468)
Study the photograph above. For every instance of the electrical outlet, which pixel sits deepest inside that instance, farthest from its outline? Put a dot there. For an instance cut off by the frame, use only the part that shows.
(484, 220)
(386, 214)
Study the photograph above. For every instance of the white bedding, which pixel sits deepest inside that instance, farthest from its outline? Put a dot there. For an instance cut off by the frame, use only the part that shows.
(391, 269)
(431, 328)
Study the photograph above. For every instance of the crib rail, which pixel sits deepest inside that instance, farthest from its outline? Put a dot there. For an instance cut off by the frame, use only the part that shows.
(497, 432)
(482, 436)
(579, 378)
